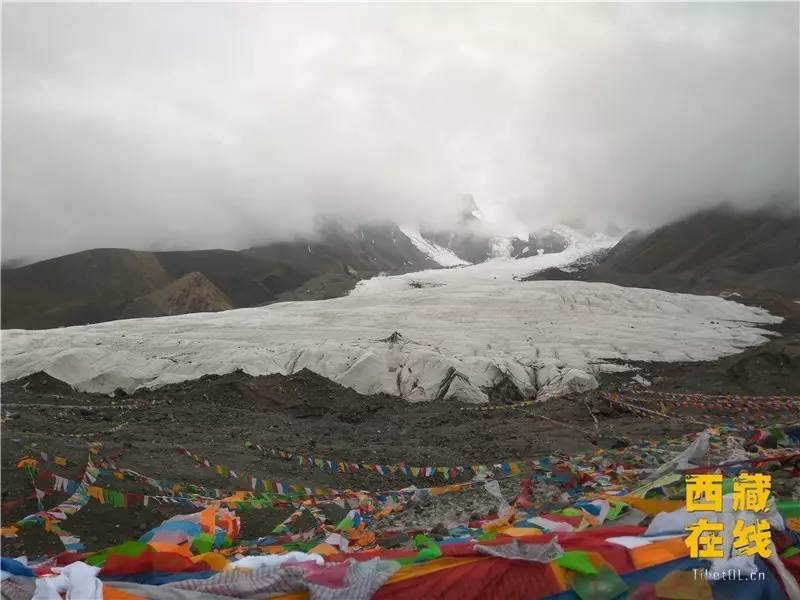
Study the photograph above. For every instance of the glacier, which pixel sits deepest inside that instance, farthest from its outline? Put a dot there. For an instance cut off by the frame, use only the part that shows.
(441, 334)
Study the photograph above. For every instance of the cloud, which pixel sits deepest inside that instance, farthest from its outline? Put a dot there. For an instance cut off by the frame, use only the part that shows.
(223, 125)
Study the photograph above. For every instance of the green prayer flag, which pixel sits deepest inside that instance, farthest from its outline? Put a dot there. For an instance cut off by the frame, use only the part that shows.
(615, 509)
(789, 508)
(578, 561)
(130, 548)
(605, 585)
(203, 543)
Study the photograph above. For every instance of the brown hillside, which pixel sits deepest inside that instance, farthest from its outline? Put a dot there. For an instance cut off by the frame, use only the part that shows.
(84, 287)
(191, 293)
(707, 252)
(108, 284)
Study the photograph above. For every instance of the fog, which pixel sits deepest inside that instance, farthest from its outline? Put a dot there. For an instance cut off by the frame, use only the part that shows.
(224, 125)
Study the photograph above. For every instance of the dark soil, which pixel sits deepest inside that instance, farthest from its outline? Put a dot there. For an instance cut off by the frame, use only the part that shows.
(214, 416)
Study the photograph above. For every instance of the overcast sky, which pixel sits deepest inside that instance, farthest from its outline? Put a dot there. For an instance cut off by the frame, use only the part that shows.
(222, 125)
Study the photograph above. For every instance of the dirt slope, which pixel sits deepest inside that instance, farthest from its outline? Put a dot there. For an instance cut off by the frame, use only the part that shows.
(191, 293)
(306, 413)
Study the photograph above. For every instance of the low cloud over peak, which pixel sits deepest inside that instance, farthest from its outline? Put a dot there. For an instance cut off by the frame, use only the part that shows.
(208, 125)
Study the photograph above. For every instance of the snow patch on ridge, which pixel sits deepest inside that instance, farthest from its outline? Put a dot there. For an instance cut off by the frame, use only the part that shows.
(502, 268)
(443, 256)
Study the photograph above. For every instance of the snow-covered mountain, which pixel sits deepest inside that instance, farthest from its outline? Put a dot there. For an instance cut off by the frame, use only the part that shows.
(437, 334)
(109, 283)
(474, 239)
(506, 266)
(423, 333)
(467, 246)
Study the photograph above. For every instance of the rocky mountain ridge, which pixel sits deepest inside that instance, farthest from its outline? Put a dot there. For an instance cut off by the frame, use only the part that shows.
(105, 284)
(719, 250)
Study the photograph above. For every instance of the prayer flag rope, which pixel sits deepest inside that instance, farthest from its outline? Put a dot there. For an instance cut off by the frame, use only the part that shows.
(103, 495)
(113, 429)
(725, 400)
(298, 491)
(107, 467)
(79, 498)
(574, 476)
(120, 499)
(172, 488)
(386, 469)
(718, 396)
(342, 466)
(266, 485)
(744, 403)
(58, 460)
(511, 406)
(647, 412)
